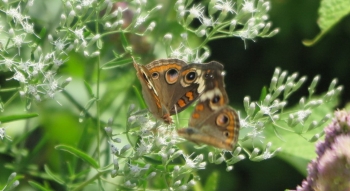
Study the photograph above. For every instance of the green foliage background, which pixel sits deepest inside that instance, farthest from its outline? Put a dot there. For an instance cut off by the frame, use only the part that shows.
(248, 69)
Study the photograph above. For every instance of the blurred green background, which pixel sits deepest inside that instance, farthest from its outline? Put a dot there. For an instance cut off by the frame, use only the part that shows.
(247, 71)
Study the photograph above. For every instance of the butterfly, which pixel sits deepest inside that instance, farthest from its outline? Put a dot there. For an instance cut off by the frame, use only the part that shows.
(170, 85)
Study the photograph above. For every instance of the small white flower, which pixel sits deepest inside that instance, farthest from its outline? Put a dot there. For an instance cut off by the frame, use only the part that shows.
(19, 77)
(140, 20)
(143, 148)
(248, 6)
(18, 40)
(79, 33)
(151, 26)
(302, 115)
(188, 51)
(196, 163)
(25, 66)
(267, 154)
(129, 184)
(2, 133)
(244, 123)
(49, 56)
(58, 62)
(59, 44)
(160, 141)
(27, 27)
(207, 21)
(86, 3)
(176, 53)
(256, 134)
(197, 11)
(15, 13)
(9, 63)
(32, 89)
(113, 148)
(225, 6)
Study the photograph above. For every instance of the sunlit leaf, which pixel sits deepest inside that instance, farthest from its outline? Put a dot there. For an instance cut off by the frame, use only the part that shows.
(330, 13)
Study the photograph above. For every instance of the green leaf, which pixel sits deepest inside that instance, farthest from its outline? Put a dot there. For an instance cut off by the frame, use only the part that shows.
(41, 35)
(80, 154)
(37, 186)
(139, 97)
(52, 175)
(212, 181)
(156, 160)
(88, 87)
(330, 13)
(117, 63)
(263, 93)
(294, 144)
(125, 42)
(99, 44)
(5, 119)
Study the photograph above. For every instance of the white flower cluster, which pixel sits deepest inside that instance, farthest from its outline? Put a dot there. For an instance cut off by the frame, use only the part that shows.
(34, 69)
(155, 147)
(226, 18)
(35, 57)
(270, 112)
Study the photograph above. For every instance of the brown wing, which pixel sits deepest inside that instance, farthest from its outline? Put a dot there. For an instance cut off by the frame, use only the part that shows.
(195, 79)
(220, 129)
(212, 121)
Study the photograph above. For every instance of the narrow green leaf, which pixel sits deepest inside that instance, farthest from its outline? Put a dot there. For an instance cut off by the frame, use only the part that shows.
(212, 181)
(38, 186)
(88, 87)
(42, 33)
(52, 175)
(153, 160)
(116, 55)
(32, 56)
(125, 42)
(139, 97)
(263, 93)
(5, 119)
(79, 154)
(117, 63)
(106, 168)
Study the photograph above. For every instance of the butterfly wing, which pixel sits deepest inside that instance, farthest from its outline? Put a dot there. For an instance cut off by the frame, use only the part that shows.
(151, 93)
(220, 130)
(212, 121)
(195, 79)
